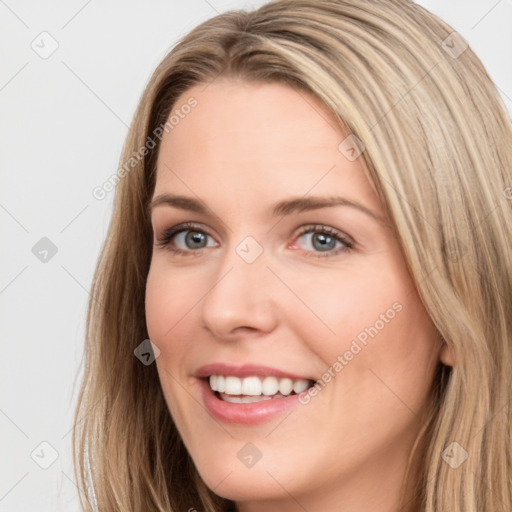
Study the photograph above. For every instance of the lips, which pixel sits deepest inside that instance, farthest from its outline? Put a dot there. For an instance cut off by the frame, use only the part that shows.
(230, 405)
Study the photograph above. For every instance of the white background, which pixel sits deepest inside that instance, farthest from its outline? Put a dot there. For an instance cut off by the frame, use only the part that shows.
(63, 121)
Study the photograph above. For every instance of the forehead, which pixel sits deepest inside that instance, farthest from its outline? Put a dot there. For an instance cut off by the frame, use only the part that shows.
(255, 137)
(269, 114)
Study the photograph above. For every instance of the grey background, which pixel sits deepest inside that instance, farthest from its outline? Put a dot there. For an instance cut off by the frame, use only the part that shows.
(63, 122)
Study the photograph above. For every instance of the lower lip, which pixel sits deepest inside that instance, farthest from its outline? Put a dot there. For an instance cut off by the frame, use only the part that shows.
(245, 414)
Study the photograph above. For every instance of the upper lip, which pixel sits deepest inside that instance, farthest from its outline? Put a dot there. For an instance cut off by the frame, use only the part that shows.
(245, 370)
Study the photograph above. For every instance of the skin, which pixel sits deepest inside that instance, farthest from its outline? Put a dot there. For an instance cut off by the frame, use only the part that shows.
(243, 148)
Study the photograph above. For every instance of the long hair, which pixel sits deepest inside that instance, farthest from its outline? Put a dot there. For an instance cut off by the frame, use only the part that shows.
(436, 142)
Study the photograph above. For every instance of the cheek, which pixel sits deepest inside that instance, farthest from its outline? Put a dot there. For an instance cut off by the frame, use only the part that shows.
(157, 303)
(344, 304)
(381, 343)
(390, 361)
(166, 307)
(169, 308)
(168, 304)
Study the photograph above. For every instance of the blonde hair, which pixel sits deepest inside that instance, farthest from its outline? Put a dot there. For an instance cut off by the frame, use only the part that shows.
(437, 143)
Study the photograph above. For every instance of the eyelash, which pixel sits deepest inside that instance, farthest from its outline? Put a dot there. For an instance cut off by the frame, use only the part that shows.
(165, 239)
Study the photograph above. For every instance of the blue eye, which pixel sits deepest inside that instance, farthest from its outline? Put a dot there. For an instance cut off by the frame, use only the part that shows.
(324, 241)
(321, 240)
(188, 234)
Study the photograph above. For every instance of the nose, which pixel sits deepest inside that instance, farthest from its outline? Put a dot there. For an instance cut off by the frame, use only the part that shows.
(242, 298)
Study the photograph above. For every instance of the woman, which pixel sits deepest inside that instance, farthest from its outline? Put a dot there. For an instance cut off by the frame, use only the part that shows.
(314, 232)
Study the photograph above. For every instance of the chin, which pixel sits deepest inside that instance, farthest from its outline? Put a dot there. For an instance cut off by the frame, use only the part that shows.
(241, 487)
(238, 483)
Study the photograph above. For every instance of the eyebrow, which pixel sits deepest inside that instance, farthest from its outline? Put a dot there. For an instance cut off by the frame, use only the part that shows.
(282, 208)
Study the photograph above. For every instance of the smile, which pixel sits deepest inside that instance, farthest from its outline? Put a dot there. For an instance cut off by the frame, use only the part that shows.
(249, 394)
(255, 388)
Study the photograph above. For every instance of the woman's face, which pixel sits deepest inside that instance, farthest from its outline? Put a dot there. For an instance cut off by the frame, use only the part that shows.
(288, 272)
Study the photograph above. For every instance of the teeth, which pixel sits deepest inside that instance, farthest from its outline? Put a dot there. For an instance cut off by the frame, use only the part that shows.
(221, 383)
(244, 399)
(285, 386)
(251, 386)
(255, 387)
(300, 385)
(233, 386)
(270, 386)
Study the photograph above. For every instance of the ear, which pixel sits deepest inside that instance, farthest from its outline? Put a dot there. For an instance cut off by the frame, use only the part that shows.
(446, 355)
